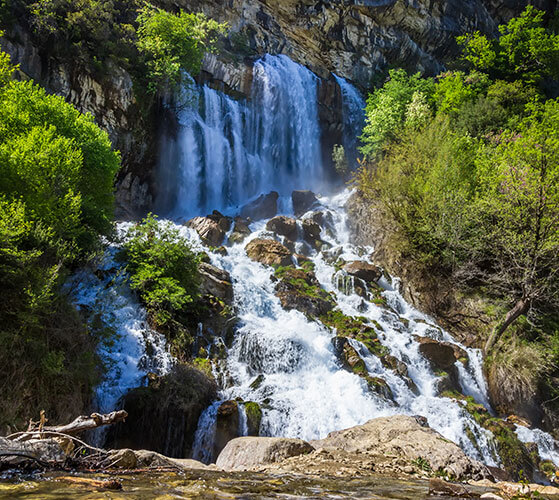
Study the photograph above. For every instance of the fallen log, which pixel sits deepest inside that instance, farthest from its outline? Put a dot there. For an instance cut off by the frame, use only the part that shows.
(79, 425)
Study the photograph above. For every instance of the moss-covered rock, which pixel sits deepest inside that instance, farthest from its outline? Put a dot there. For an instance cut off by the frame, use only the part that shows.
(299, 289)
(254, 418)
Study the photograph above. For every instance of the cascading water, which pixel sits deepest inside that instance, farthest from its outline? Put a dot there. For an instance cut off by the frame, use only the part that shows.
(228, 151)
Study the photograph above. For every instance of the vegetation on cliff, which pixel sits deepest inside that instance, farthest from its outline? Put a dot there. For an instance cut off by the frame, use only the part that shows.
(467, 165)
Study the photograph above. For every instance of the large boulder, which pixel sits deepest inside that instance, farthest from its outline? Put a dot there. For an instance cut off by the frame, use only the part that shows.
(284, 226)
(163, 416)
(212, 228)
(311, 233)
(126, 458)
(363, 270)
(409, 438)
(264, 207)
(269, 252)
(300, 290)
(303, 201)
(216, 282)
(251, 452)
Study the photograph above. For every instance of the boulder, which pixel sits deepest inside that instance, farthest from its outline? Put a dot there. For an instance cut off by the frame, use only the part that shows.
(363, 270)
(284, 226)
(240, 231)
(409, 438)
(247, 453)
(227, 425)
(216, 282)
(303, 201)
(131, 459)
(264, 207)
(212, 228)
(163, 416)
(253, 413)
(300, 290)
(441, 355)
(268, 252)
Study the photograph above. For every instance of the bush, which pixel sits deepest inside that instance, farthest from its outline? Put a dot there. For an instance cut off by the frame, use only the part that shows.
(173, 44)
(163, 270)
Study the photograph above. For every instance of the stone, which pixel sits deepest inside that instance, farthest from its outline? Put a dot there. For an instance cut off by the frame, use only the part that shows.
(163, 416)
(300, 290)
(123, 459)
(438, 487)
(311, 233)
(247, 453)
(490, 496)
(253, 413)
(45, 450)
(269, 252)
(215, 282)
(264, 207)
(211, 229)
(441, 355)
(284, 226)
(303, 201)
(363, 270)
(240, 231)
(408, 438)
(227, 425)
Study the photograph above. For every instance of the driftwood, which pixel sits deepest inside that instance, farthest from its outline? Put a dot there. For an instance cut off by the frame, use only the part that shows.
(79, 425)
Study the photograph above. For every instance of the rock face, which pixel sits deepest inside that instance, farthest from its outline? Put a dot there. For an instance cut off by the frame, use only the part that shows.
(407, 437)
(227, 425)
(268, 252)
(363, 270)
(251, 452)
(212, 228)
(163, 417)
(442, 355)
(264, 207)
(240, 231)
(216, 282)
(284, 226)
(303, 201)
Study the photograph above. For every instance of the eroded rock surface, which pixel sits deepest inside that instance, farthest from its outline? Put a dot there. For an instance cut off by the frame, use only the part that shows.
(268, 252)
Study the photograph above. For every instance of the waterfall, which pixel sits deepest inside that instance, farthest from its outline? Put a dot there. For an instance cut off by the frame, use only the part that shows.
(228, 151)
(353, 113)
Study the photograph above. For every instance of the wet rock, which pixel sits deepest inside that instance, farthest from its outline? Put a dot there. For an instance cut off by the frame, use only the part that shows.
(303, 201)
(363, 270)
(163, 417)
(269, 252)
(300, 290)
(393, 363)
(251, 452)
(405, 437)
(132, 459)
(438, 487)
(284, 226)
(441, 355)
(227, 425)
(212, 228)
(254, 418)
(216, 282)
(311, 233)
(264, 207)
(240, 231)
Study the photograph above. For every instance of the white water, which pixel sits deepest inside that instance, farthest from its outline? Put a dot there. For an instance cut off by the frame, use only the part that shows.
(228, 151)
(129, 349)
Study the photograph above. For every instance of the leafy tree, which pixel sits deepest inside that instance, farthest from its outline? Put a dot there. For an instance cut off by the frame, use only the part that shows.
(521, 203)
(173, 44)
(163, 269)
(524, 50)
(387, 108)
(454, 89)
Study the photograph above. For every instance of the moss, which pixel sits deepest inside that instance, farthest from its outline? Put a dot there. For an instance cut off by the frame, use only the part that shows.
(204, 365)
(308, 266)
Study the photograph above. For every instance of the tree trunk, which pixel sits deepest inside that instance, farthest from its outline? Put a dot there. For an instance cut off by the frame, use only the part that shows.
(518, 310)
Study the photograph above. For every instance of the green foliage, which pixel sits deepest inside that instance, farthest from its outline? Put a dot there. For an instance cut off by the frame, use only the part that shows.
(387, 108)
(173, 44)
(454, 89)
(525, 49)
(339, 159)
(163, 270)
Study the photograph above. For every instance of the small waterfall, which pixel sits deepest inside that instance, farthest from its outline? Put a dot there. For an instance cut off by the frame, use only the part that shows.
(229, 151)
(353, 111)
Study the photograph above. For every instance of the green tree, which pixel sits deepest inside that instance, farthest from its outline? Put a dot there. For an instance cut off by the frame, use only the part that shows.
(172, 44)
(521, 205)
(387, 108)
